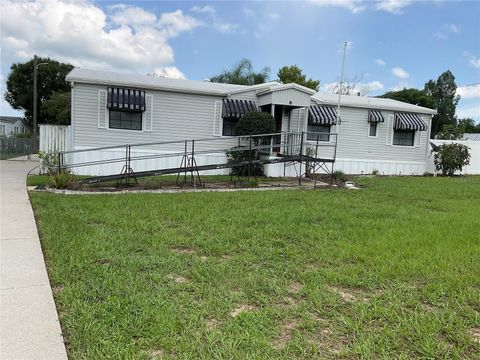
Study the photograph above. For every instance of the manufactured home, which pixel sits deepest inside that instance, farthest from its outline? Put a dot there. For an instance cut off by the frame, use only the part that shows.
(110, 109)
(12, 125)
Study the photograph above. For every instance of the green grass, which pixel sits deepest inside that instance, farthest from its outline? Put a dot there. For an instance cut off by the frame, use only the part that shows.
(146, 182)
(389, 271)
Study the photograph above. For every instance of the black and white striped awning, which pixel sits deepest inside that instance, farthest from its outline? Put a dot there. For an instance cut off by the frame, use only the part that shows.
(409, 121)
(375, 116)
(235, 108)
(322, 115)
(125, 99)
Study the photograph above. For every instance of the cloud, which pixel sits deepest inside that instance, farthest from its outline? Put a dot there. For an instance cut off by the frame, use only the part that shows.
(468, 111)
(400, 86)
(355, 6)
(248, 12)
(274, 16)
(207, 9)
(169, 72)
(400, 73)
(380, 62)
(472, 59)
(469, 91)
(392, 6)
(121, 37)
(447, 29)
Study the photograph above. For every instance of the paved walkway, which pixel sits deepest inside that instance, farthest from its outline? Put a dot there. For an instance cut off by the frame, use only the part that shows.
(29, 326)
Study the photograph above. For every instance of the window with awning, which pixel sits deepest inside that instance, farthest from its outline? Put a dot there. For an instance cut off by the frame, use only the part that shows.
(322, 115)
(235, 108)
(375, 116)
(409, 121)
(122, 99)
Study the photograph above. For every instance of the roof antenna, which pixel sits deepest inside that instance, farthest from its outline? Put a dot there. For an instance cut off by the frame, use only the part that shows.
(345, 44)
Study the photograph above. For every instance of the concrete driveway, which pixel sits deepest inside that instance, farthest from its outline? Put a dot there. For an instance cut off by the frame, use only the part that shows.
(29, 326)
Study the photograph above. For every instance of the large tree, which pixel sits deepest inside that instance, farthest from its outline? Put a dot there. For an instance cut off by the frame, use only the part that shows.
(56, 109)
(443, 90)
(51, 79)
(412, 96)
(242, 74)
(293, 74)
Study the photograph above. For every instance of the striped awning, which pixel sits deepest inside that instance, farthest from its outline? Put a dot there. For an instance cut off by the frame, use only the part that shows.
(125, 99)
(235, 108)
(375, 116)
(409, 121)
(322, 115)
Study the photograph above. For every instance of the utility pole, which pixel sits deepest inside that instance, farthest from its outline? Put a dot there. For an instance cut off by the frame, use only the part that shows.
(341, 81)
(35, 95)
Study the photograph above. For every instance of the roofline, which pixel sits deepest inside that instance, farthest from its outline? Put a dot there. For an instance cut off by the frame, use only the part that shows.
(420, 110)
(253, 87)
(140, 85)
(289, 86)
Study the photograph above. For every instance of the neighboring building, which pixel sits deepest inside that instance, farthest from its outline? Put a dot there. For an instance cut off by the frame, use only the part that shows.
(471, 136)
(11, 125)
(112, 108)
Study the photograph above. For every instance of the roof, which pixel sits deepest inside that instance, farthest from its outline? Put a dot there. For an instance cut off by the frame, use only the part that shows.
(370, 103)
(278, 86)
(10, 119)
(471, 136)
(151, 82)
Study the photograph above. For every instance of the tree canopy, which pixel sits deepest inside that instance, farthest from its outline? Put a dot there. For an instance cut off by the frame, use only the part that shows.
(242, 74)
(56, 109)
(293, 74)
(51, 80)
(412, 96)
(443, 91)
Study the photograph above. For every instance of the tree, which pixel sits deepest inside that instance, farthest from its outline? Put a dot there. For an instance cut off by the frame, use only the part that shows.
(242, 74)
(56, 110)
(51, 79)
(255, 123)
(412, 96)
(451, 157)
(443, 90)
(350, 86)
(456, 131)
(293, 74)
(468, 125)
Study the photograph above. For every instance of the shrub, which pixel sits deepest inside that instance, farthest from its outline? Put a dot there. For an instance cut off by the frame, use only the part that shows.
(61, 179)
(255, 123)
(236, 156)
(48, 161)
(451, 157)
(339, 175)
(375, 172)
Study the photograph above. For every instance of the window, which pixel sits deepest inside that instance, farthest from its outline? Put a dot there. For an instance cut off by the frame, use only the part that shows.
(2, 130)
(318, 129)
(125, 120)
(229, 126)
(372, 131)
(403, 137)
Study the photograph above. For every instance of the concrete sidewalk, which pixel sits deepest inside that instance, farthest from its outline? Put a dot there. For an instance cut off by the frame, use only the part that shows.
(29, 326)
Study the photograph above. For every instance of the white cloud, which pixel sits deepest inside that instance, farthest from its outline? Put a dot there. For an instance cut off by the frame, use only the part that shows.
(453, 28)
(469, 91)
(400, 86)
(392, 6)
(274, 16)
(82, 34)
(447, 29)
(248, 12)
(380, 62)
(355, 6)
(207, 9)
(169, 72)
(225, 27)
(475, 62)
(468, 111)
(400, 73)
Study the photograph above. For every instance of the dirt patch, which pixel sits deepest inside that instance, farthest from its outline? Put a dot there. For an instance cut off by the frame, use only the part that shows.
(349, 295)
(156, 353)
(328, 342)
(177, 278)
(56, 290)
(428, 307)
(182, 250)
(286, 334)
(242, 308)
(102, 262)
(212, 324)
(475, 334)
(204, 258)
(294, 288)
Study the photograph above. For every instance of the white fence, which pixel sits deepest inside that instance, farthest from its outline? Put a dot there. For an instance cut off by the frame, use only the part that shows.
(473, 168)
(54, 138)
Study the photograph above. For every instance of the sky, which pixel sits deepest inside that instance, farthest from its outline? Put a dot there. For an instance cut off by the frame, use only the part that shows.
(392, 44)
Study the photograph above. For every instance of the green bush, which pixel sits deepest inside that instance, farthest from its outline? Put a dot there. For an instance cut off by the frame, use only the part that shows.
(451, 158)
(375, 172)
(61, 179)
(236, 156)
(255, 123)
(339, 175)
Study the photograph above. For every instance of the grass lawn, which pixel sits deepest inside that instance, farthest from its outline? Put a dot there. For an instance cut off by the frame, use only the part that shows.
(389, 271)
